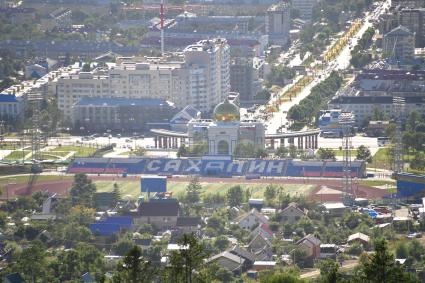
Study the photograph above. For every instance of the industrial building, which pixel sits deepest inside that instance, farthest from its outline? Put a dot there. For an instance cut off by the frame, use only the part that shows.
(120, 114)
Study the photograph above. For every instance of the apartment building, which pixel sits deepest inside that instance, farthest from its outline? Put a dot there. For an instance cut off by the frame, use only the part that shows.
(244, 77)
(408, 3)
(399, 44)
(278, 23)
(414, 20)
(364, 106)
(375, 88)
(305, 7)
(200, 77)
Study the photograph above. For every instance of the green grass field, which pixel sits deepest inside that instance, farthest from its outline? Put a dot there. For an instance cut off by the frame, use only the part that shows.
(341, 153)
(375, 183)
(381, 159)
(17, 154)
(79, 150)
(131, 189)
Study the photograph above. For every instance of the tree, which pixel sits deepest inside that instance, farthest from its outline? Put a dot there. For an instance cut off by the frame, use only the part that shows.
(378, 114)
(187, 260)
(261, 153)
(82, 191)
(134, 268)
(234, 196)
(326, 153)
(263, 94)
(221, 242)
(292, 151)
(281, 277)
(116, 194)
(86, 67)
(282, 152)
(183, 151)
(193, 190)
(413, 120)
(81, 215)
(139, 151)
(363, 153)
(123, 246)
(32, 262)
(381, 267)
(329, 271)
(270, 193)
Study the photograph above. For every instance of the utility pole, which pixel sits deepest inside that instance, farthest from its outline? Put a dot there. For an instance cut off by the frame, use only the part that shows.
(399, 104)
(346, 122)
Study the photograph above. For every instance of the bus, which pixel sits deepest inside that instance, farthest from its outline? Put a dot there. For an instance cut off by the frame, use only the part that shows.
(383, 141)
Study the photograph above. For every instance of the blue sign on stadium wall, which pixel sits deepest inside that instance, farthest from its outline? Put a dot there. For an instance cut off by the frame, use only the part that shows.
(221, 168)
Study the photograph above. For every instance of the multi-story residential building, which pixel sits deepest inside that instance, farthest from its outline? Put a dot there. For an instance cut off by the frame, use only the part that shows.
(208, 64)
(244, 78)
(399, 44)
(363, 107)
(278, 23)
(120, 114)
(305, 7)
(408, 3)
(414, 20)
(378, 82)
(200, 77)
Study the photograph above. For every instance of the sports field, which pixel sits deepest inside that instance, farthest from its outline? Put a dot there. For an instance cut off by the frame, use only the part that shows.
(131, 189)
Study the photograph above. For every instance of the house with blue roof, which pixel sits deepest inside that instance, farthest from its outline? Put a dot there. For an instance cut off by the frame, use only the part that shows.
(111, 225)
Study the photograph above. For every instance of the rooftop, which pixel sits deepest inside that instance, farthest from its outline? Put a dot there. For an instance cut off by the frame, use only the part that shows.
(122, 102)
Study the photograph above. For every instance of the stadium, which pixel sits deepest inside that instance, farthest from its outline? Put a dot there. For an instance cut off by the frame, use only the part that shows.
(215, 168)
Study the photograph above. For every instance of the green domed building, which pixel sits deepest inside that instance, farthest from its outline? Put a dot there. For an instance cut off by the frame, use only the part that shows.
(226, 111)
(226, 130)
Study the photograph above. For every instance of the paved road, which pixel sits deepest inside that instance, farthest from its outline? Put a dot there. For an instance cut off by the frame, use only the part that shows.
(316, 273)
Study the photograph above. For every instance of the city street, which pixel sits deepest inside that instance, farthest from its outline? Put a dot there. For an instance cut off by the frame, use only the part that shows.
(341, 62)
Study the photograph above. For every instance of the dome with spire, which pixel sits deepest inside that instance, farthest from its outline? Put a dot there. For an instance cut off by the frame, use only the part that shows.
(226, 111)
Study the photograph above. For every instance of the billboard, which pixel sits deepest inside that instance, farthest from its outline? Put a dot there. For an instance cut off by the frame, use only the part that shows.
(153, 184)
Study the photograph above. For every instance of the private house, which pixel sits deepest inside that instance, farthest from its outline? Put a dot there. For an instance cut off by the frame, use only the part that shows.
(264, 230)
(111, 225)
(311, 244)
(261, 247)
(359, 238)
(292, 213)
(13, 278)
(264, 265)
(228, 261)
(245, 254)
(251, 219)
(335, 208)
(188, 224)
(161, 214)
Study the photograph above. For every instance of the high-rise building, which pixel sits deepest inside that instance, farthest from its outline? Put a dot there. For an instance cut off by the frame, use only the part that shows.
(408, 3)
(208, 65)
(399, 44)
(414, 20)
(278, 23)
(244, 78)
(305, 7)
(199, 77)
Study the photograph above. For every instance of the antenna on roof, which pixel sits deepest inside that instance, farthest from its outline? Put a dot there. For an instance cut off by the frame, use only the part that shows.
(161, 14)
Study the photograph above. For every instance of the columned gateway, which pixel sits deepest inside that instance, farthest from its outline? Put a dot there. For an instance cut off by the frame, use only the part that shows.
(225, 131)
(302, 140)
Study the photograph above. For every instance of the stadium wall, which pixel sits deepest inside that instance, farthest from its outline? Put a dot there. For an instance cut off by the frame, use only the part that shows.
(218, 168)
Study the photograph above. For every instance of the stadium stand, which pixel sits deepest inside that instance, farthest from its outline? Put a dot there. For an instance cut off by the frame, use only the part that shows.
(218, 168)
(410, 185)
(89, 165)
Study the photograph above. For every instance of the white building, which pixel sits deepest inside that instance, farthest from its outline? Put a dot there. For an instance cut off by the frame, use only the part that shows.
(399, 44)
(278, 23)
(199, 77)
(305, 7)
